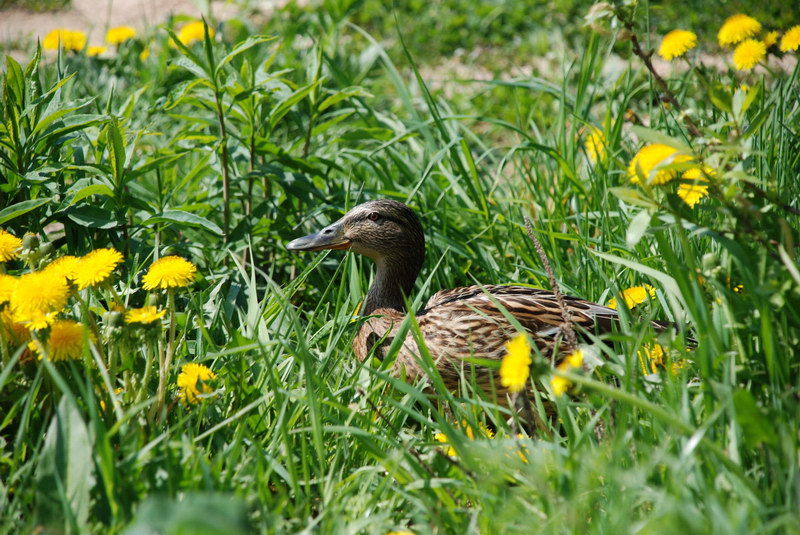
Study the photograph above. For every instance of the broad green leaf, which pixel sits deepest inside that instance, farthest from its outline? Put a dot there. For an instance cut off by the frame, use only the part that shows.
(51, 116)
(93, 217)
(20, 208)
(742, 100)
(184, 218)
(15, 80)
(283, 107)
(64, 472)
(632, 196)
(654, 136)
(191, 66)
(341, 95)
(188, 53)
(69, 124)
(756, 122)
(720, 98)
(87, 189)
(177, 95)
(247, 44)
(637, 228)
(116, 150)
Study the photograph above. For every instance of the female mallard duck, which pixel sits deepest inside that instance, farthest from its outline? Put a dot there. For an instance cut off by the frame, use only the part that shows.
(455, 324)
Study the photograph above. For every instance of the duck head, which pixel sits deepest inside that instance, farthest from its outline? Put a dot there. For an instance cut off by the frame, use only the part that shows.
(384, 230)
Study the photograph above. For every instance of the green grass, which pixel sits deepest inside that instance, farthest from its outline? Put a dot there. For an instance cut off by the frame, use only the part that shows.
(298, 436)
(36, 5)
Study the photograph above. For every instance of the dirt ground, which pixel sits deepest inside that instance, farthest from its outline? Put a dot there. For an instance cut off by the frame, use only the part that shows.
(95, 16)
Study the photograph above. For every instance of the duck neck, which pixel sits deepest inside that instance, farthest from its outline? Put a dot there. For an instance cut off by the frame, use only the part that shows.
(394, 280)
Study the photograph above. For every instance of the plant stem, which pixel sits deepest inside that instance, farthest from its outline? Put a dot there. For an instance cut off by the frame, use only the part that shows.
(226, 202)
(669, 96)
(148, 351)
(166, 362)
(569, 333)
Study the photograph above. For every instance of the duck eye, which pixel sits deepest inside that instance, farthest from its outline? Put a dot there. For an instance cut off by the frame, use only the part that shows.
(374, 216)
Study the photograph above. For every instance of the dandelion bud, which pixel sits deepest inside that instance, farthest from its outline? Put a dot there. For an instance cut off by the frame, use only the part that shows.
(710, 261)
(113, 318)
(46, 249)
(30, 241)
(624, 35)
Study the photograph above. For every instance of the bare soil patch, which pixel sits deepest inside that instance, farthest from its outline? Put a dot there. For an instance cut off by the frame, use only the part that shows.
(94, 17)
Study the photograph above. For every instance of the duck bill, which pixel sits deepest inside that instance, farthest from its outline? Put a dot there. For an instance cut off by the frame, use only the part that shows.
(331, 237)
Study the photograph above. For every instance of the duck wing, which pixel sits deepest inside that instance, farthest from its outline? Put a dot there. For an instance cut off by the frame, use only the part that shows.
(536, 310)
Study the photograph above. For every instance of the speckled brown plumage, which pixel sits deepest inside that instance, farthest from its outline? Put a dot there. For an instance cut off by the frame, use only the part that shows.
(455, 324)
(469, 323)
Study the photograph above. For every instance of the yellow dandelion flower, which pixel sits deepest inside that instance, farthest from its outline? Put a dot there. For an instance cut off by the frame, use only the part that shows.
(94, 51)
(482, 430)
(192, 32)
(652, 163)
(523, 450)
(144, 54)
(120, 34)
(791, 39)
(66, 266)
(117, 391)
(559, 384)
(96, 267)
(634, 296)
(771, 38)
(748, 54)
(69, 40)
(654, 354)
(573, 360)
(148, 314)
(169, 272)
(595, 145)
(11, 332)
(400, 533)
(188, 387)
(677, 43)
(737, 28)
(448, 450)
(10, 246)
(692, 192)
(515, 367)
(65, 340)
(38, 297)
(7, 285)
(678, 365)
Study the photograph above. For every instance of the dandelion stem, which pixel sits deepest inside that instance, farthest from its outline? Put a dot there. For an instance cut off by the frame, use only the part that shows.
(148, 357)
(92, 324)
(166, 362)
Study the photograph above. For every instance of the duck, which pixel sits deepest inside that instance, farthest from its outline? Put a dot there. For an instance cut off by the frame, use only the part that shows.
(459, 326)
